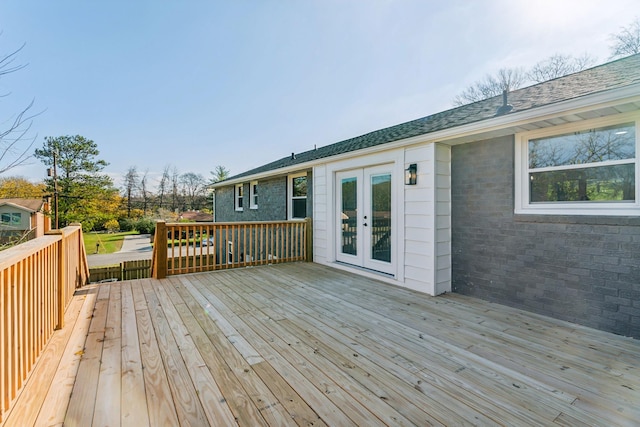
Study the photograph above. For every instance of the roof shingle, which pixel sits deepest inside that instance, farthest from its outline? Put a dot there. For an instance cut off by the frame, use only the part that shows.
(616, 74)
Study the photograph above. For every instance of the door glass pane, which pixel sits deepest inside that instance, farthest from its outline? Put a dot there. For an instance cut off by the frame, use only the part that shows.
(381, 217)
(349, 215)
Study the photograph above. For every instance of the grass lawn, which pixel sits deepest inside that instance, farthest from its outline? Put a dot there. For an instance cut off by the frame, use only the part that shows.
(109, 242)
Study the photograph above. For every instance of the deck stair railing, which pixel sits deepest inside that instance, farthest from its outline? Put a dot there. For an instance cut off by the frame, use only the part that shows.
(181, 248)
(37, 281)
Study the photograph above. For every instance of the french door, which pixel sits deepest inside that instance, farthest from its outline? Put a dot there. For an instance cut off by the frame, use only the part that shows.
(364, 218)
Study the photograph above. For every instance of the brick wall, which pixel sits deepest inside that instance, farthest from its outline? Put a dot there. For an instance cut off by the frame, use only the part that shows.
(582, 269)
(272, 201)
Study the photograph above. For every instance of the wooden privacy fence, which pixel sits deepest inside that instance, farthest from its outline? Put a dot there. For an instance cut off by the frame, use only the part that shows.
(181, 248)
(37, 281)
(126, 270)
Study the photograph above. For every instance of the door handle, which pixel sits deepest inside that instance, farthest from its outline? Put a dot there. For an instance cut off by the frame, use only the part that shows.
(365, 224)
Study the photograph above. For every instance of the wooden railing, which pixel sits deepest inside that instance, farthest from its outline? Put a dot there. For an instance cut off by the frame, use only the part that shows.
(37, 281)
(181, 248)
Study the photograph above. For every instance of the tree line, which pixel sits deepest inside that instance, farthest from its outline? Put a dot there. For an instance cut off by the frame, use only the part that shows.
(83, 193)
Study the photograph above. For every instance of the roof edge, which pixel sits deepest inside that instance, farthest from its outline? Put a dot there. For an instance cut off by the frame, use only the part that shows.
(629, 93)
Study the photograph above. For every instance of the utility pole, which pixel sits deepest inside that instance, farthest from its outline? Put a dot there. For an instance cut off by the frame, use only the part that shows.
(53, 173)
(55, 188)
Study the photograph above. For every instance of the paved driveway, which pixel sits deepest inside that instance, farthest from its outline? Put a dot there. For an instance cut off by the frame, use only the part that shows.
(133, 248)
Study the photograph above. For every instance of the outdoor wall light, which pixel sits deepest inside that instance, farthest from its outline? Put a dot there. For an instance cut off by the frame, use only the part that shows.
(411, 174)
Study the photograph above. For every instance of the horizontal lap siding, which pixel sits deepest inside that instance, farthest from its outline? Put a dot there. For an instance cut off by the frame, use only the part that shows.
(419, 221)
(320, 214)
(582, 269)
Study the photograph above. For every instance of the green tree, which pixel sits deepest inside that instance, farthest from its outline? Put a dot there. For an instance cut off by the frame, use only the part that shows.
(84, 194)
(16, 186)
(220, 173)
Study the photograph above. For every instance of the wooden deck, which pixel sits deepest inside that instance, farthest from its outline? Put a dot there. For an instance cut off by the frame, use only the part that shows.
(301, 344)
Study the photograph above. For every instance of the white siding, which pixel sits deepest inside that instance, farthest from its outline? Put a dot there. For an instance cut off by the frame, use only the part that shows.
(423, 221)
(320, 212)
(419, 269)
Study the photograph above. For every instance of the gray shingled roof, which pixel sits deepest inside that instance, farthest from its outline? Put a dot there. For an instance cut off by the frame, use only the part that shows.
(32, 205)
(616, 74)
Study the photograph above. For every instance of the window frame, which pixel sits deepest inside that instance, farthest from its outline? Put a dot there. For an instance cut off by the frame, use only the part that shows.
(238, 196)
(15, 218)
(253, 195)
(291, 198)
(522, 189)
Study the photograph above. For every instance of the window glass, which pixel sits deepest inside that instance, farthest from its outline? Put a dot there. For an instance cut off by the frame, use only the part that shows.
(604, 183)
(298, 198)
(300, 186)
(11, 218)
(299, 208)
(239, 197)
(591, 146)
(595, 165)
(254, 194)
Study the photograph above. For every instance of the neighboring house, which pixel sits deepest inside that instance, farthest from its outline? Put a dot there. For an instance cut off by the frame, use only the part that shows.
(532, 202)
(23, 219)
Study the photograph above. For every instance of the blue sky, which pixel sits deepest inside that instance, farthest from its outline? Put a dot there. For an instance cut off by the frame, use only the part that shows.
(195, 84)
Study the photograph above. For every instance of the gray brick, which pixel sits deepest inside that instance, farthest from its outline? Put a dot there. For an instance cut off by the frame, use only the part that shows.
(617, 300)
(576, 268)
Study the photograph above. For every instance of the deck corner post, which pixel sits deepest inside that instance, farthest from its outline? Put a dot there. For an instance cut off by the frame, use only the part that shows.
(160, 251)
(309, 239)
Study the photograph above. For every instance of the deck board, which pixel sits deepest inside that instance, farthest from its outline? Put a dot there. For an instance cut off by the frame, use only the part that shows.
(302, 344)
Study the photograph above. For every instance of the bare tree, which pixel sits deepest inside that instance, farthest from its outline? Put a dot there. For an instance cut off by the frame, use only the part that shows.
(175, 188)
(492, 85)
(193, 186)
(163, 185)
(145, 192)
(627, 41)
(130, 185)
(15, 145)
(509, 79)
(559, 65)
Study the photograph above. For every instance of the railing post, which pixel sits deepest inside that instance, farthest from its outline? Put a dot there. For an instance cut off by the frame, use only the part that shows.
(160, 251)
(62, 274)
(309, 238)
(82, 253)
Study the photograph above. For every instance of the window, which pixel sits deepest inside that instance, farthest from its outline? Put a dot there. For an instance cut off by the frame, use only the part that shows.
(586, 170)
(297, 190)
(11, 218)
(253, 195)
(239, 196)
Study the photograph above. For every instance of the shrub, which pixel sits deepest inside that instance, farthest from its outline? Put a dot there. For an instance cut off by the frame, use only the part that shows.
(112, 225)
(127, 224)
(146, 226)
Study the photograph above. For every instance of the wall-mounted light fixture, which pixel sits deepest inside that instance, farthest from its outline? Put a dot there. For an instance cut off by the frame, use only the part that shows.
(411, 174)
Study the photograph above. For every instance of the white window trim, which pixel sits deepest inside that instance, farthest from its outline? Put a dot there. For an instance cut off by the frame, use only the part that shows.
(290, 197)
(252, 195)
(522, 204)
(238, 193)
